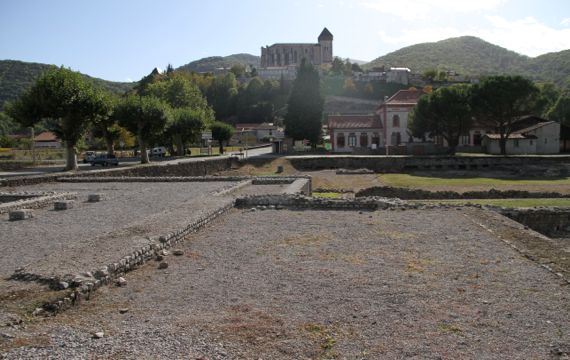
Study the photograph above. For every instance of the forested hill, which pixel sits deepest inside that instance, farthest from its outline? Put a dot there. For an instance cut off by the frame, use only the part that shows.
(210, 64)
(17, 76)
(472, 56)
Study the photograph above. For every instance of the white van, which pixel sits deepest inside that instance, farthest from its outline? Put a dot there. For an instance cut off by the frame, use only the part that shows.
(158, 151)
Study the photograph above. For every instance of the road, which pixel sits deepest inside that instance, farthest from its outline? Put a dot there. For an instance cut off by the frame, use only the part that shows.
(39, 170)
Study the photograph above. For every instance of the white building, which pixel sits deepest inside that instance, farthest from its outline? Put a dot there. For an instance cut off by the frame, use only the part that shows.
(542, 138)
(352, 132)
(394, 113)
(398, 75)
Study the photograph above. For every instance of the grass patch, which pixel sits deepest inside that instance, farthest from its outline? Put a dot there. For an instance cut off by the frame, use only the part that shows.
(512, 203)
(327, 195)
(419, 181)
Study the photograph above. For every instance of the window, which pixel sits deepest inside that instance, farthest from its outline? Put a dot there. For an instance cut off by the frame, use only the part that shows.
(376, 139)
(396, 138)
(396, 121)
(464, 140)
(340, 140)
(363, 139)
(517, 143)
(352, 140)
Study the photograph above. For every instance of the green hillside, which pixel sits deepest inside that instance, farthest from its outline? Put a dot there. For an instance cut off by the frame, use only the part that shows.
(472, 56)
(17, 76)
(210, 64)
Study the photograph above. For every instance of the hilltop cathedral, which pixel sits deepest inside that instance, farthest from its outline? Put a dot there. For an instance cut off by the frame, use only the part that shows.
(285, 55)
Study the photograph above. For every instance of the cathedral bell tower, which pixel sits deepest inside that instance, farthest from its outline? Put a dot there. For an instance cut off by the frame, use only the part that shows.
(325, 41)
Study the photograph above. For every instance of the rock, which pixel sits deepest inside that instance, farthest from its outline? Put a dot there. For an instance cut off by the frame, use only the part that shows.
(178, 252)
(121, 281)
(7, 336)
(22, 214)
(123, 311)
(98, 335)
(101, 273)
(95, 197)
(164, 252)
(62, 285)
(38, 311)
(63, 205)
(159, 257)
(163, 265)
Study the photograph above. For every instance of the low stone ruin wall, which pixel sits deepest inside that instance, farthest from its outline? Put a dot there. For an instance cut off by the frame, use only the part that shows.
(408, 163)
(299, 186)
(188, 168)
(554, 222)
(418, 194)
(30, 200)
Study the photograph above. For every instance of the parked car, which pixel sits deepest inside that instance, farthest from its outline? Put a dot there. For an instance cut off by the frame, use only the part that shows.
(158, 151)
(89, 156)
(105, 160)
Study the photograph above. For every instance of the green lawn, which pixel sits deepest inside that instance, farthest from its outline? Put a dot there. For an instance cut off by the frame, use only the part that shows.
(419, 181)
(513, 203)
(327, 195)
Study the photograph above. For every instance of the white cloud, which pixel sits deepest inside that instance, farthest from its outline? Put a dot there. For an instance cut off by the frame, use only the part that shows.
(566, 22)
(424, 9)
(527, 36)
(128, 79)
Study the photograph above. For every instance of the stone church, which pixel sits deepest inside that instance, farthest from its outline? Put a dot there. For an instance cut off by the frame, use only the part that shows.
(283, 55)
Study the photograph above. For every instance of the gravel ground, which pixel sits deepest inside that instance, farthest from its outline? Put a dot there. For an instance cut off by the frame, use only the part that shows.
(416, 284)
(95, 234)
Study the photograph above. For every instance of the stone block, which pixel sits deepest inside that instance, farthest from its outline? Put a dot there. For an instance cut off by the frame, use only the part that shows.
(95, 197)
(22, 214)
(63, 205)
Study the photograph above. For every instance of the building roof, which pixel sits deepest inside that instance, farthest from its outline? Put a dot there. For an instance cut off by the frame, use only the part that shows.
(405, 97)
(533, 127)
(252, 126)
(354, 122)
(513, 136)
(46, 136)
(325, 35)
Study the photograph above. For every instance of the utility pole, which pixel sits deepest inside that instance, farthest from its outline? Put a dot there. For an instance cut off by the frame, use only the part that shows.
(33, 147)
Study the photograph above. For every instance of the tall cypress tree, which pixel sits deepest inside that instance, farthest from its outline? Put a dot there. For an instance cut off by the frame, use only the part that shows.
(305, 107)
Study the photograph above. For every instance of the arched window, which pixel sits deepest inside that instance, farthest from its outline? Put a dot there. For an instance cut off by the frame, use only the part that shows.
(363, 139)
(340, 140)
(396, 121)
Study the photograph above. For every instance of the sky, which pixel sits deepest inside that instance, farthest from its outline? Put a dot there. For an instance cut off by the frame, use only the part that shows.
(123, 40)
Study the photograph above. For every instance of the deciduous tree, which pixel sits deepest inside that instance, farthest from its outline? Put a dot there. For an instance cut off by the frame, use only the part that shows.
(69, 103)
(221, 132)
(145, 116)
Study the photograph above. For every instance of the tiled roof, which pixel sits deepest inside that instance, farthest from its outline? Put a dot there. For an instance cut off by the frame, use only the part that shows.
(534, 127)
(250, 126)
(511, 136)
(354, 122)
(405, 97)
(46, 136)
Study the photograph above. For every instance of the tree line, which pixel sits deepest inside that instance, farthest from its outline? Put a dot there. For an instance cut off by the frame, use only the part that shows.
(497, 102)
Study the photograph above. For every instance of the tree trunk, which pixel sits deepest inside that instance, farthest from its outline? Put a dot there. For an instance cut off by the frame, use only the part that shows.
(142, 146)
(110, 144)
(180, 151)
(503, 145)
(71, 162)
(221, 147)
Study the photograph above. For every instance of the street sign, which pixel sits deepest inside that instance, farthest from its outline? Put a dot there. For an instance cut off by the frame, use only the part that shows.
(206, 135)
